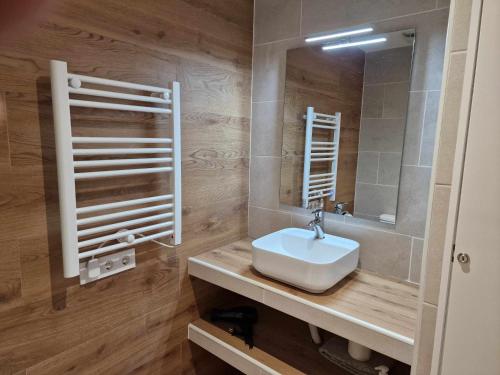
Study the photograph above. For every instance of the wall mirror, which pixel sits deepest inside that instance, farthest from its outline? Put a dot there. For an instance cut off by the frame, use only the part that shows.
(345, 107)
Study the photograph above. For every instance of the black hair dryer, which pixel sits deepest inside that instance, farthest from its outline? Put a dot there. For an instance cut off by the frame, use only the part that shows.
(241, 319)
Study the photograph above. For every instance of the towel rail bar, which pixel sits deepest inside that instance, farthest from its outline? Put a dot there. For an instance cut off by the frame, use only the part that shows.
(120, 172)
(114, 106)
(119, 151)
(115, 83)
(119, 140)
(118, 95)
(114, 162)
(131, 202)
(122, 224)
(116, 215)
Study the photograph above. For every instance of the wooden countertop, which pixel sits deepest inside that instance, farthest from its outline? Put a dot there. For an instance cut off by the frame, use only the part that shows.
(368, 309)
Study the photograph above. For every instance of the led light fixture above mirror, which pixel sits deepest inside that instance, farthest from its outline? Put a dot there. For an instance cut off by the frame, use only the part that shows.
(353, 44)
(339, 35)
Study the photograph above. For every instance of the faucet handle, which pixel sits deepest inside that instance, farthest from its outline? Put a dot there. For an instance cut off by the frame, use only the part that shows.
(318, 213)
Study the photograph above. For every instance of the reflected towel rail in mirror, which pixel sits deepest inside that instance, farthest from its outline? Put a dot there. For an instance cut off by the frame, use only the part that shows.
(320, 151)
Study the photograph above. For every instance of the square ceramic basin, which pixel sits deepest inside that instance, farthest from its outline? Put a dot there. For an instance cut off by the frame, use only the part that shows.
(294, 256)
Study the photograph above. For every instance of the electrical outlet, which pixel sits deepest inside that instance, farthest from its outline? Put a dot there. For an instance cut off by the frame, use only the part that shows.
(107, 265)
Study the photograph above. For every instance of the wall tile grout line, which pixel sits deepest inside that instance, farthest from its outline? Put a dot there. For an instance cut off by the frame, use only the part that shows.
(411, 258)
(378, 168)
(423, 129)
(277, 41)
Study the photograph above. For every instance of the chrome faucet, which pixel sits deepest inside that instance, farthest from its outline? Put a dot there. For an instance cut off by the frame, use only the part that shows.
(340, 208)
(317, 223)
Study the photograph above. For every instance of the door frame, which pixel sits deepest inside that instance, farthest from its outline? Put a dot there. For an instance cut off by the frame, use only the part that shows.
(456, 185)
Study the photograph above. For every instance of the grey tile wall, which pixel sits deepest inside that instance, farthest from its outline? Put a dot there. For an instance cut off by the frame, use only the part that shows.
(389, 168)
(367, 171)
(387, 66)
(273, 36)
(381, 135)
(264, 182)
(413, 195)
(395, 99)
(276, 20)
(323, 15)
(265, 221)
(427, 327)
(451, 104)
(372, 200)
(434, 254)
(373, 101)
(414, 126)
(417, 248)
(267, 131)
(429, 130)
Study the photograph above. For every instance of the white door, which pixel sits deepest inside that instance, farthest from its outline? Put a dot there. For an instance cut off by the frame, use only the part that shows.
(471, 343)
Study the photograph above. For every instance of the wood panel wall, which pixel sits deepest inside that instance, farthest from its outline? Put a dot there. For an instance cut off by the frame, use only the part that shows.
(134, 322)
(330, 82)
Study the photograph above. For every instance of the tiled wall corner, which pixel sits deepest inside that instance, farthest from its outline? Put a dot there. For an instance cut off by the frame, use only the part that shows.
(435, 244)
(441, 184)
(417, 248)
(264, 221)
(426, 343)
(451, 104)
(460, 25)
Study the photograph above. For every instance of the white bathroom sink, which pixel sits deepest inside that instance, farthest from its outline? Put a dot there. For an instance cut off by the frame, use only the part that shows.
(295, 257)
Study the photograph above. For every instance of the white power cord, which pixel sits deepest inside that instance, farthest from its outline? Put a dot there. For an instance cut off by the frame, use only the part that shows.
(130, 238)
(159, 243)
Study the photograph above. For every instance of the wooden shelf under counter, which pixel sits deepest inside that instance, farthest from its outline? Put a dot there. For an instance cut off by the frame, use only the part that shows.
(365, 308)
(259, 359)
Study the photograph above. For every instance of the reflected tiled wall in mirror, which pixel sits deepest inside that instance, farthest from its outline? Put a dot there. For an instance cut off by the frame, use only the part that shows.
(368, 86)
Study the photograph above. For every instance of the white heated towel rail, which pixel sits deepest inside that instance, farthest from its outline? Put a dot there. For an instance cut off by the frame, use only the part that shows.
(163, 217)
(320, 184)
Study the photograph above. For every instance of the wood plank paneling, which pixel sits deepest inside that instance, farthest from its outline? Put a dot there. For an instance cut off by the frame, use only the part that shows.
(4, 138)
(133, 322)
